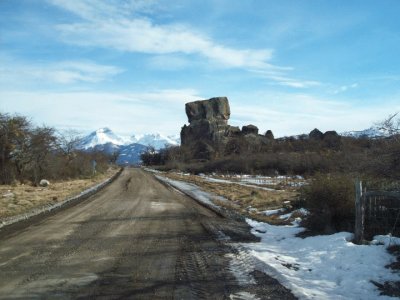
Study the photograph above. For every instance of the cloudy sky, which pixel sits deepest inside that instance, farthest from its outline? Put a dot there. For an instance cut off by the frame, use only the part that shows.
(131, 65)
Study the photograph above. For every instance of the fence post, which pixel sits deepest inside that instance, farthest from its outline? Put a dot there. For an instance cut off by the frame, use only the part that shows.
(360, 211)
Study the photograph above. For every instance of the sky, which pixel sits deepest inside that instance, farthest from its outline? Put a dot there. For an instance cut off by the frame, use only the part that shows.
(131, 65)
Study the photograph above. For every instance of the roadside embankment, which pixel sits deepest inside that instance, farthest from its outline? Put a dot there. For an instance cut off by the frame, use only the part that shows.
(24, 203)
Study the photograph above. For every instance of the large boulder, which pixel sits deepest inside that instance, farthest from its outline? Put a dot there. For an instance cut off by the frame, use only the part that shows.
(208, 134)
(249, 129)
(208, 123)
(214, 110)
(269, 135)
(44, 183)
(332, 134)
(332, 139)
(316, 134)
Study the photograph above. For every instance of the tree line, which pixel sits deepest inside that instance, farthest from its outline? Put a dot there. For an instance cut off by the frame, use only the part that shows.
(30, 153)
(300, 155)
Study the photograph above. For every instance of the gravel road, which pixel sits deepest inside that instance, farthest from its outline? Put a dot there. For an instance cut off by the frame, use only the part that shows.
(136, 239)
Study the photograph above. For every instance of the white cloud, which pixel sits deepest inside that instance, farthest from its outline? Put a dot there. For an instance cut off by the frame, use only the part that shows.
(105, 25)
(65, 72)
(169, 62)
(141, 35)
(345, 88)
(164, 111)
(289, 114)
(126, 113)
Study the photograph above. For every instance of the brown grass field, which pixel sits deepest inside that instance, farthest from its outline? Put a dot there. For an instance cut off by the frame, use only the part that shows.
(22, 198)
(248, 201)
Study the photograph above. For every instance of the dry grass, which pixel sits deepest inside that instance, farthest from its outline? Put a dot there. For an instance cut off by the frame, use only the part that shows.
(246, 200)
(20, 198)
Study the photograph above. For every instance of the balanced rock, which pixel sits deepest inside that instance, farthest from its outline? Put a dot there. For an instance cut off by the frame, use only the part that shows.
(209, 135)
(214, 110)
(208, 121)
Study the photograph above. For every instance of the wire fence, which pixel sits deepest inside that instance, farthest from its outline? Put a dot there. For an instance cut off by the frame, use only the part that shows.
(377, 210)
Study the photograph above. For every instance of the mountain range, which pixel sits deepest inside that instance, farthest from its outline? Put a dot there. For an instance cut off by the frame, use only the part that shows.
(128, 148)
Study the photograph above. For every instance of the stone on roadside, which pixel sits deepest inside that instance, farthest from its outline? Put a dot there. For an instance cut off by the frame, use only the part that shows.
(44, 183)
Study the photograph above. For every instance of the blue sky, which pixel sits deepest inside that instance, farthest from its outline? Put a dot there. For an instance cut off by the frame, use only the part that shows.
(288, 66)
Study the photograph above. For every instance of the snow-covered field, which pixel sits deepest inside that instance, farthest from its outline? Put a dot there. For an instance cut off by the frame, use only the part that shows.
(319, 267)
(322, 267)
(256, 180)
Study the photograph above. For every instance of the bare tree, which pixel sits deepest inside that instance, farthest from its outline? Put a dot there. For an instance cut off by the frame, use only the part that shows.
(13, 136)
(42, 144)
(67, 143)
(391, 125)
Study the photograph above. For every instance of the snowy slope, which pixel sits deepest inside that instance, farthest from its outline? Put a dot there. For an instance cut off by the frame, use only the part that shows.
(101, 136)
(371, 132)
(105, 135)
(129, 149)
(155, 140)
(328, 267)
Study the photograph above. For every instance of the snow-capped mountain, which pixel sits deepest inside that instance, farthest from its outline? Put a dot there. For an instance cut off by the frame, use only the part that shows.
(128, 149)
(101, 136)
(155, 140)
(371, 132)
(105, 135)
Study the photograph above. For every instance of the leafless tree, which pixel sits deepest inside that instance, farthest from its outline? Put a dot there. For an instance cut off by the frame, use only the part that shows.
(14, 131)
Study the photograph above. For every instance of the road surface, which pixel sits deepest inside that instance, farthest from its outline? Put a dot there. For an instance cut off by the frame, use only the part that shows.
(136, 239)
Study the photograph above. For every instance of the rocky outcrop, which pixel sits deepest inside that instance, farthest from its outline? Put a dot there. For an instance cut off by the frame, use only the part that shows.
(332, 139)
(269, 135)
(316, 134)
(208, 133)
(208, 127)
(331, 135)
(214, 110)
(249, 129)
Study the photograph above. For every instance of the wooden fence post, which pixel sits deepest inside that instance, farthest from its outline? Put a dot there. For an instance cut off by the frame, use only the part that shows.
(360, 214)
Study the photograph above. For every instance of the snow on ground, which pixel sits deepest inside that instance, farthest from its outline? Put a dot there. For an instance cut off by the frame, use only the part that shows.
(319, 267)
(322, 267)
(271, 212)
(211, 179)
(152, 170)
(193, 191)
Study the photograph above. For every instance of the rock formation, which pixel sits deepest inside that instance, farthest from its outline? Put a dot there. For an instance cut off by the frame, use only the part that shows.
(208, 127)
(331, 135)
(249, 129)
(208, 121)
(214, 110)
(316, 134)
(208, 132)
(269, 135)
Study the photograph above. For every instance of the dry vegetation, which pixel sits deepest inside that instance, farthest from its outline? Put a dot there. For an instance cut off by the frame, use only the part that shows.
(248, 200)
(21, 198)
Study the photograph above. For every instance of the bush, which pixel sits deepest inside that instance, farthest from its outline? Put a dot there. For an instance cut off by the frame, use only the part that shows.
(330, 200)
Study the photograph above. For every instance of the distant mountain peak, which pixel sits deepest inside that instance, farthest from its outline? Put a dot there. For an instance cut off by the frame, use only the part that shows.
(372, 132)
(104, 130)
(104, 139)
(101, 136)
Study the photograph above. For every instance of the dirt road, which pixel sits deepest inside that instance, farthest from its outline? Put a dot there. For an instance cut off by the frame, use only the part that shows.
(137, 239)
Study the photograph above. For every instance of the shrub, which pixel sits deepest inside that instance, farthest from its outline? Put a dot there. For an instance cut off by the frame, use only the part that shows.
(330, 200)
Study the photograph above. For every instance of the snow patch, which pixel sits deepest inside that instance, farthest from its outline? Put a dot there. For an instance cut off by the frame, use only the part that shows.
(322, 267)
